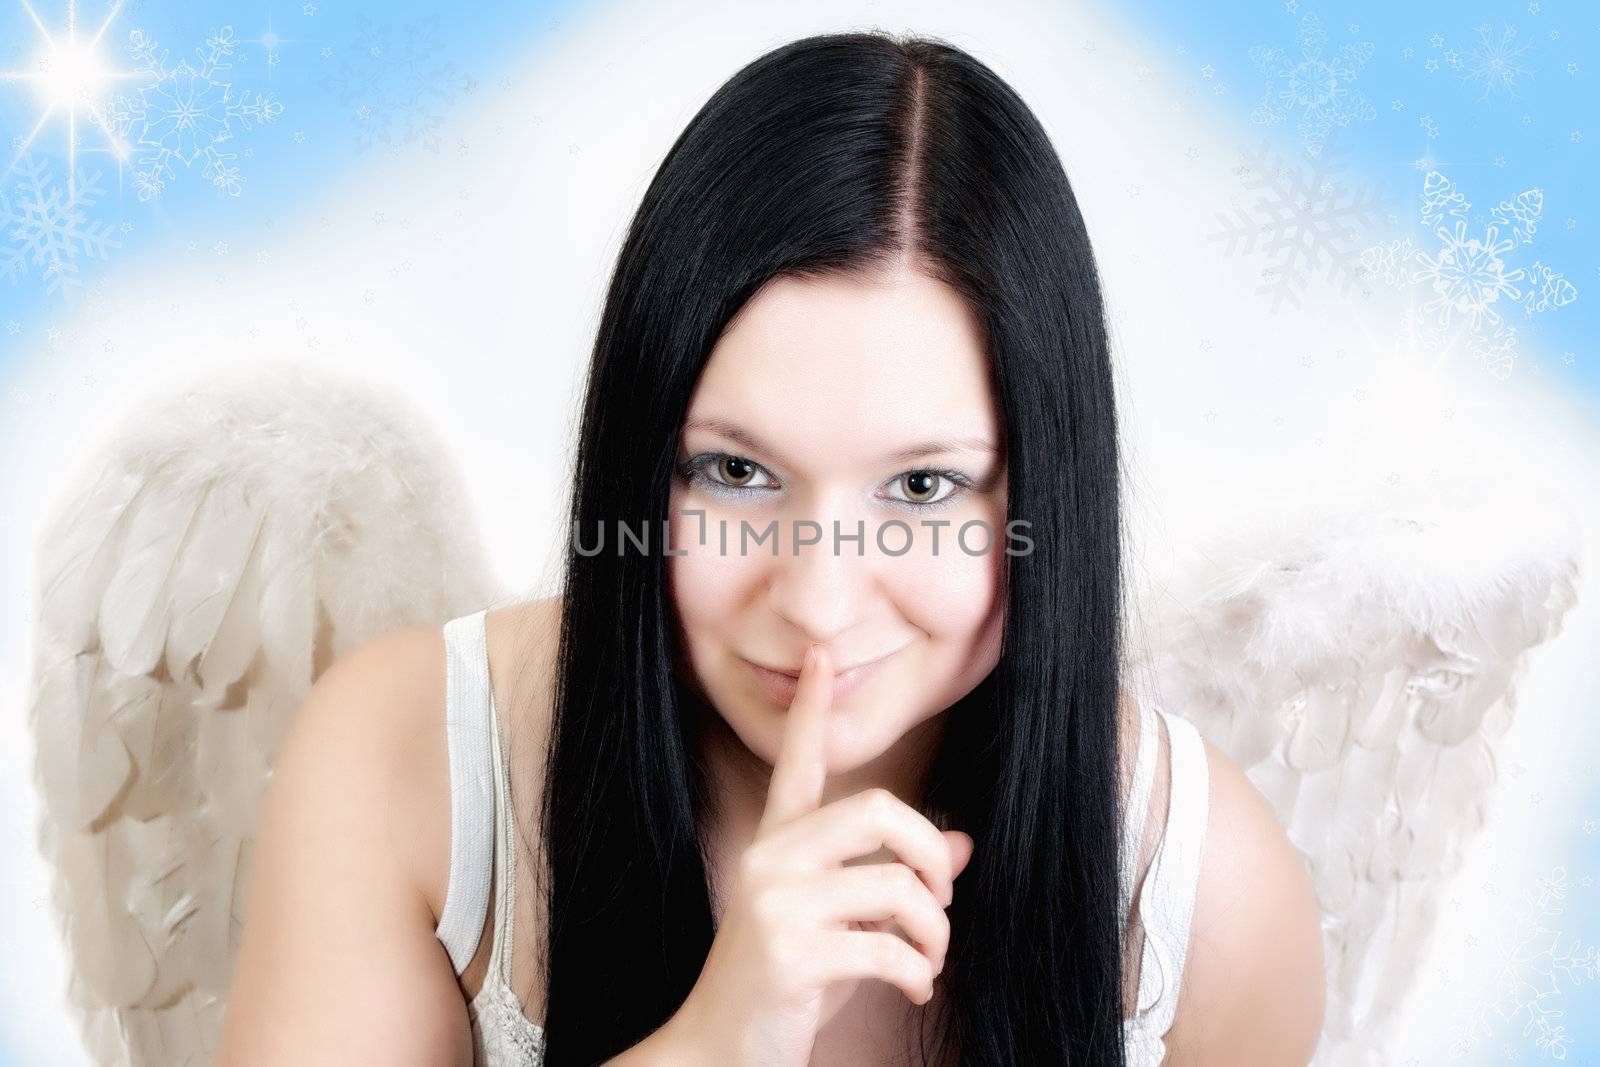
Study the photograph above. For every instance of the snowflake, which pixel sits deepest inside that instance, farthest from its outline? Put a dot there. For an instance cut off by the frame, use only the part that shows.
(1303, 219)
(1531, 963)
(1471, 275)
(50, 227)
(184, 114)
(1496, 62)
(1314, 85)
(1497, 352)
(398, 88)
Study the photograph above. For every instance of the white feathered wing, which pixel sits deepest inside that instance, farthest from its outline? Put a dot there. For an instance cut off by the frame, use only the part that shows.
(1358, 664)
(229, 543)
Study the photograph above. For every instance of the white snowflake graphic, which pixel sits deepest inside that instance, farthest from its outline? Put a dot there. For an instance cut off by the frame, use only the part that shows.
(1471, 280)
(394, 86)
(1302, 219)
(1495, 61)
(183, 114)
(49, 227)
(1312, 84)
(1535, 968)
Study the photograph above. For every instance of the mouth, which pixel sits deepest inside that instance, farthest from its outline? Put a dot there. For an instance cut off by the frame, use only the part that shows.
(781, 686)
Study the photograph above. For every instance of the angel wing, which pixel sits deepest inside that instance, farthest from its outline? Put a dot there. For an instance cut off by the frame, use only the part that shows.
(1359, 666)
(229, 543)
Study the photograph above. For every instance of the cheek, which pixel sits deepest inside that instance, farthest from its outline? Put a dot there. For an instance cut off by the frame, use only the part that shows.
(710, 592)
(950, 594)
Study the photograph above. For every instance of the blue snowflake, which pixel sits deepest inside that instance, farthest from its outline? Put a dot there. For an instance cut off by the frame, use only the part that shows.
(1303, 219)
(1536, 970)
(185, 114)
(395, 86)
(1473, 277)
(1496, 62)
(1313, 85)
(43, 224)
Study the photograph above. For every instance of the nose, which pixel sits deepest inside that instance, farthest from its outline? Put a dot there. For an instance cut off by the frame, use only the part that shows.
(821, 592)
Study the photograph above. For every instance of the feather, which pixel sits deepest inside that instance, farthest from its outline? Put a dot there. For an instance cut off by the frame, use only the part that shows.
(1359, 664)
(229, 530)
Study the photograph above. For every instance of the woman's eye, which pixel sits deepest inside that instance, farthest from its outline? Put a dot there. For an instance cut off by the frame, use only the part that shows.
(736, 471)
(724, 471)
(925, 487)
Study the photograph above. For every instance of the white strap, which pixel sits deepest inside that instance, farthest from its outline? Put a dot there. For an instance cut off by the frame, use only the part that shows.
(505, 881)
(469, 733)
(1166, 901)
(1144, 772)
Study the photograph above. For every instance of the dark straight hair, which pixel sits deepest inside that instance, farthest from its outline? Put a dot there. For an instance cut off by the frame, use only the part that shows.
(851, 152)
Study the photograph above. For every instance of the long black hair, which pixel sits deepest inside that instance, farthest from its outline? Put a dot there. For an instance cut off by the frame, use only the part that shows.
(851, 152)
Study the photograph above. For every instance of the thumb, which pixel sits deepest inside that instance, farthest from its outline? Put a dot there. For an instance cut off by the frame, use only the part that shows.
(961, 846)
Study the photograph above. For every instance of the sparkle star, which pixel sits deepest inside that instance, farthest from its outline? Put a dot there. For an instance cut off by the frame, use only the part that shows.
(70, 77)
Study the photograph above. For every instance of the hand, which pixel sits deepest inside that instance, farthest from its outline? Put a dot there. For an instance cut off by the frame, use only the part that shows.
(801, 930)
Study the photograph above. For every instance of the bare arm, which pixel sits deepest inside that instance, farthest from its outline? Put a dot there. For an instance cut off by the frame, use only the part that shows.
(1253, 988)
(339, 963)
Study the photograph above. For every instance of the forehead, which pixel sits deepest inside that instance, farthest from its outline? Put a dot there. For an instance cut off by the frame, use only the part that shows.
(840, 363)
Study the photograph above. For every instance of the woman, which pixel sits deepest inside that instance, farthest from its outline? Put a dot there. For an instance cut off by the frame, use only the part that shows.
(859, 289)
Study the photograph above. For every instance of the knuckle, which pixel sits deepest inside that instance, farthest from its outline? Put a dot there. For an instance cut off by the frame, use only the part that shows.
(904, 881)
(887, 952)
(881, 802)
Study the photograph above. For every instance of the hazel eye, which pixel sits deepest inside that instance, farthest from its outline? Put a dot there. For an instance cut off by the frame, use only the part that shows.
(735, 470)
(724, 472)
(925, 487)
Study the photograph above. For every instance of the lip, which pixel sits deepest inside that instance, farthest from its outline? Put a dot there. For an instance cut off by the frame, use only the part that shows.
(781, 686)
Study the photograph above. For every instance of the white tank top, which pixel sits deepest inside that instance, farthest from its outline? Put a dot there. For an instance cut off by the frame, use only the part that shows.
(482, 856)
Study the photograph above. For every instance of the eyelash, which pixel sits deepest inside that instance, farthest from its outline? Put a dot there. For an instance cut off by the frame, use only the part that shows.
(694, 470)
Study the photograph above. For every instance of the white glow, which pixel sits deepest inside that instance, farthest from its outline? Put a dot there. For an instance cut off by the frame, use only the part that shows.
(71, 74)
(69, 77)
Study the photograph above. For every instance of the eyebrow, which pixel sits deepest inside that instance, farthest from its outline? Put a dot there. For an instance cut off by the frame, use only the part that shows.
(937, 446)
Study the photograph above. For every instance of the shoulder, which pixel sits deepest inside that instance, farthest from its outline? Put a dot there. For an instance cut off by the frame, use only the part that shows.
(350, 867)
(1253, 987)
(369, 739)
(337, 940)
(379, 710)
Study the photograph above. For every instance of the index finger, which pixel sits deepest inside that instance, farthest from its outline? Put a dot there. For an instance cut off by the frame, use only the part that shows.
(801, 767)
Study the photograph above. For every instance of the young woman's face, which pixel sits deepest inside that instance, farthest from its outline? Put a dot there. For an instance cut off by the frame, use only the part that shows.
(857, 402)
